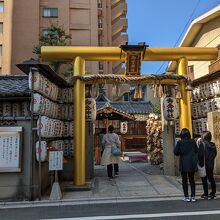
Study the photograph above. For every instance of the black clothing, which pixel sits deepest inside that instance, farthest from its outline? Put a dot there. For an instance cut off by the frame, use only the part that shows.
(188, 152)
(210, 177)
(185, 183)
(208, 150)
(110, 169)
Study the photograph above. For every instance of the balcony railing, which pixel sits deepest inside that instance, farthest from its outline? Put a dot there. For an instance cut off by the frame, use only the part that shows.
(215, 66)
(119, 39)
(119, 10)
(114, 2)
(119, 26)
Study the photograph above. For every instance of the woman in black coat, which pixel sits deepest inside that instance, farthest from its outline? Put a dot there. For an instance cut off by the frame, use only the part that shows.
(187, 149)
(207, 151)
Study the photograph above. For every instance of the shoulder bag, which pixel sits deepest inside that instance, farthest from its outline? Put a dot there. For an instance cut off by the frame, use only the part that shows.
(202, 170)
(115, 151)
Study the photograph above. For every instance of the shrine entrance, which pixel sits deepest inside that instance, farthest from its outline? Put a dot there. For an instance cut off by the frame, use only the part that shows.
(133, 56)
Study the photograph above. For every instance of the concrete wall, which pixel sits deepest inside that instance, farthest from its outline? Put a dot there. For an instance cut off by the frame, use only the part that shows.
(16, 185)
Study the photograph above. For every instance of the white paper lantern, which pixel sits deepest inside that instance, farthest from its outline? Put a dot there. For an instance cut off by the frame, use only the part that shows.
(170, 109)
(42, 149)
(90, 109)
(124, 127)
(38, 102)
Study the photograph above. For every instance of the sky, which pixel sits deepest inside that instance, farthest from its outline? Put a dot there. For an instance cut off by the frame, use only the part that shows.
(162, 23)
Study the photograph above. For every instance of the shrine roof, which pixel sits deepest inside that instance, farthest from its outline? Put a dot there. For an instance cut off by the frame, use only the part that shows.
(130, 107)
(14, 86)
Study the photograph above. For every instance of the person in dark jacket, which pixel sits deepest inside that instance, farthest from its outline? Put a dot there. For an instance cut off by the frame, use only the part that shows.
(187, 150)
(207, 154)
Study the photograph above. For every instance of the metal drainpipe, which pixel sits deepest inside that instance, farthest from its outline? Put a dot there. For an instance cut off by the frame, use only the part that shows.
(32, 151)
(31, 143)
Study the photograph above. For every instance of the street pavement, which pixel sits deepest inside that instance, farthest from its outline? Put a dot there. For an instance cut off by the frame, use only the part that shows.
(140, 192)
(166, 209)
(136, 182)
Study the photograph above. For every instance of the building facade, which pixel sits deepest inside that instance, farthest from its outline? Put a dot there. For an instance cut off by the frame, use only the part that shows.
(204, 31)
(90, 23)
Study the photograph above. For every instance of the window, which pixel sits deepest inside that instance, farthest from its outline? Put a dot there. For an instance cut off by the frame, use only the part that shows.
(45, 32)
(101, 66)
(100, 23)
(1, 28)
(126, 97)
(0, 50)
(1, 7)
(50, 12)
(191, 72)
(99, 3)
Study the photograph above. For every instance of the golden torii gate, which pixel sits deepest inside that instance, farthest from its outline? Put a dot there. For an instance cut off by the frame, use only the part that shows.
(81, 54)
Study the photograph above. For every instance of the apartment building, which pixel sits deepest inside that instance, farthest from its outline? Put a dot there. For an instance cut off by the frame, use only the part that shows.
(204, 31)
(90, 23)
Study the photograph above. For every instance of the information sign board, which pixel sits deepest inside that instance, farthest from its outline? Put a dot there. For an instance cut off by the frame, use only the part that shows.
(10, 149)
(55, 160)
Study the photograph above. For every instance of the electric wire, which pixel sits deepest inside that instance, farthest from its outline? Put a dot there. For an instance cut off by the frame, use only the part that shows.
(186, 25)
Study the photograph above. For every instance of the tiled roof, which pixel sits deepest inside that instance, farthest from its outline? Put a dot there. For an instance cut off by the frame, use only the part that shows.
(102, 98)
(129, 107)
(14, 86)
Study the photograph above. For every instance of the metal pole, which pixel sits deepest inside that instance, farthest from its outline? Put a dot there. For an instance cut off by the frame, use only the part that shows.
(185, 106)
(56, 176)
(79, 124)
(39, 162)
(31, 143)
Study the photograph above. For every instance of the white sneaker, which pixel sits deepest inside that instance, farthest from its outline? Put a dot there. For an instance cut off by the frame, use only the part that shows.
(186, 199)
(193, 199)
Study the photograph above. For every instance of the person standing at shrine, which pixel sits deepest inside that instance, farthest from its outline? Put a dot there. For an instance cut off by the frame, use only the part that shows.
(187, 150)
(101, 135)
(110, 140)
(207, 154)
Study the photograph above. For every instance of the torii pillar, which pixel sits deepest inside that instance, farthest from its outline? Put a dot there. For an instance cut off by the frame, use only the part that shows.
(84, 53)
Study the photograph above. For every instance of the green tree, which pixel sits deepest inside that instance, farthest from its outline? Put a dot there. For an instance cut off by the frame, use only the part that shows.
(55, 36)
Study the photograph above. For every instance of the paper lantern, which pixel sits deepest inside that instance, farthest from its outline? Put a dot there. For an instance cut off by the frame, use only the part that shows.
(124, 127)
(90, 109)
(42, 149)
(37, 103)
(170, 109)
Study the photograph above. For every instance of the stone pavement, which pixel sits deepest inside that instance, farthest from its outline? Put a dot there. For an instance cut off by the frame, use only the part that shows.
(137, 181)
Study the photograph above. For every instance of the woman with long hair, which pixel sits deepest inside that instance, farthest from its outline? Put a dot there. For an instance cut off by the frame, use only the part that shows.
(187, 150)
(207, 154)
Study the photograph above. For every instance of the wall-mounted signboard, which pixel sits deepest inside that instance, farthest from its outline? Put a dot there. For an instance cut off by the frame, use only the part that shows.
(10, 149)
(55, 160)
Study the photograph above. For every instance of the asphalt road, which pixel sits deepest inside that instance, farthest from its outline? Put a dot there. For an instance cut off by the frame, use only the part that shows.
(173, 209)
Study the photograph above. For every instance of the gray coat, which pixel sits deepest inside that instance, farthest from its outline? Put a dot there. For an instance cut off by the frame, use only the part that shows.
(110, 140)
(187, 150)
